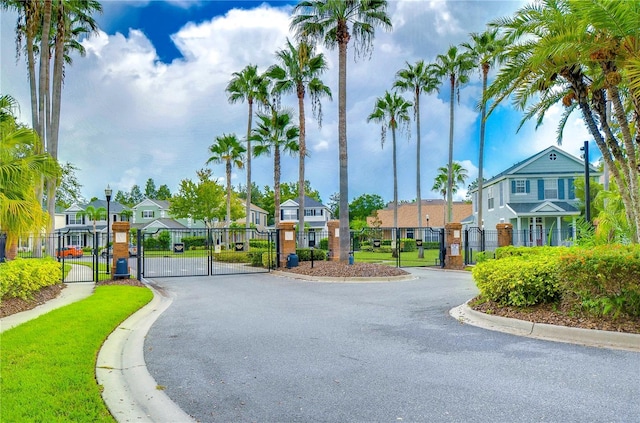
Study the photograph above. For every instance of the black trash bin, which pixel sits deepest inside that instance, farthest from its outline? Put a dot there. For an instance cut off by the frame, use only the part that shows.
(122, 268)
(292, 260)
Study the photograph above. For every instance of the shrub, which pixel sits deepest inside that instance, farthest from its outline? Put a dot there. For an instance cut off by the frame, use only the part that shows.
(20, 278)
(602, 280)
(407, 245)
(304, 254)
(324, 244)
(260, 243)
(266, 257)
(519, 280)
(512, 251)
(190, 242)
(232, 257)
(255, 256)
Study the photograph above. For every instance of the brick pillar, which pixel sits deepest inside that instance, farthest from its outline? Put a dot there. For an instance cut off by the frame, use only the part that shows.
(505, 234)
(287, 241)
(334, 240)
(120, 232)
(453, 234)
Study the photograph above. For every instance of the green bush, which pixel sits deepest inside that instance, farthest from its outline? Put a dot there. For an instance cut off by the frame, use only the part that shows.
(269, 256)
(407, 245)
(324, 244)
(602, 280)
(255, 255)
(519, 280)
(512, 251)
(20, 278)
(260, 243)
(232, 257)
(304, 254)
(190, 242)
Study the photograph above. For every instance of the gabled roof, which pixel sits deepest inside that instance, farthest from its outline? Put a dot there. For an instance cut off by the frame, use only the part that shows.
(308, 202)
(516, 167)
(162, 204)
(556, 207)
(114, 206)
(253, 207)
(162, 223)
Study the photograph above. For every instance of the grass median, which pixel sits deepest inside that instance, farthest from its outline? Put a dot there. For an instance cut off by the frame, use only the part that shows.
(48, 364)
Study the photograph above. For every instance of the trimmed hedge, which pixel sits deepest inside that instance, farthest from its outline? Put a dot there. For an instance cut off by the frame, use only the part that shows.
(304, 254)
(20, 278)
(265, 259)
(191, 242)
(232, 257)
(603, 280)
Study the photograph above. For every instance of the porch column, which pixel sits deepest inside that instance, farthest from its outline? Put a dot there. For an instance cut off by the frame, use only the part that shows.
(559, 225)
(519, 226)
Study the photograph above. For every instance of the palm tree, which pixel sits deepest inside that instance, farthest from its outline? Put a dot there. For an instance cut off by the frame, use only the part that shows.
(441, 183)
(275, 133)
(485, 51)
(298, 72)
(455, 66)
(94, 214)
(418, 78)
(334, 23)
(392, 110)
(247, 85)
(228, 150)
(22, 166)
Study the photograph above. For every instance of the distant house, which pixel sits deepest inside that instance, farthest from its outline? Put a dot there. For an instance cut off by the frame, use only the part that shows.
(151, 214)
(78, 227)
(433, 216)
(316, 216)
(259, 217)
(536, 196)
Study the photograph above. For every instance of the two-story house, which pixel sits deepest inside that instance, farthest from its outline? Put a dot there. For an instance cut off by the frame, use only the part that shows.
(79, 226)
(150, 215)
(259, 217)
(316, 216)
(536, 196)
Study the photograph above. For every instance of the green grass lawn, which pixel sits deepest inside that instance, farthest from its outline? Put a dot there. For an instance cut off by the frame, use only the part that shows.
(48, 364)
(406, 259)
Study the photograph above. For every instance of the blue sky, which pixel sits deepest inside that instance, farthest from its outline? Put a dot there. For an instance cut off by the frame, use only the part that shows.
(148, 99)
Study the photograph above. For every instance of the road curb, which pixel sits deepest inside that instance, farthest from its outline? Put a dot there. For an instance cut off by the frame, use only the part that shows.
(588, 337)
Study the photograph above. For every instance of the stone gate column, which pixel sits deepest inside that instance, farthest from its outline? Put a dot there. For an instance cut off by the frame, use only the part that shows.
(287, 242)
(334, 240)
(453, 239)
(505, 234)
(120, 247)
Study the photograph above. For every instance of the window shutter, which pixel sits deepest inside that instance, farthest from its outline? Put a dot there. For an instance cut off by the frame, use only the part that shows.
(572, 189)
(540, 189)
(513, 187)
(561, 189)
(281, 214)
(527, 186)
(66, 219)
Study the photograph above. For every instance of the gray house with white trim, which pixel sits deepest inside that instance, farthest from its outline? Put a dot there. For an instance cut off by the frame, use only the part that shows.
(536, 196)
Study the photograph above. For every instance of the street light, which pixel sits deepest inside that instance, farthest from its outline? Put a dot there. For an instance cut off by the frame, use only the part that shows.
(427, 217)
(107, 193)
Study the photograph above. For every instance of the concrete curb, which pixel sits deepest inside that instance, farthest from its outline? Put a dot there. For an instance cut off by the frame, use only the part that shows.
(291, 275)
(130, 392)
(588, 337)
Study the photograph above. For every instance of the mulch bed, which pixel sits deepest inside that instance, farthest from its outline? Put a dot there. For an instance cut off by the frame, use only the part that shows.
(341, 270)
(11, 306)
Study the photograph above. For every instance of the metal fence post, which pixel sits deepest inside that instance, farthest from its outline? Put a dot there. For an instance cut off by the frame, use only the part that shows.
(139, 259)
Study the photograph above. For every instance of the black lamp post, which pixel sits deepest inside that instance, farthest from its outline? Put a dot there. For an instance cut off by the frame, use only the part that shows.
(587, 188)
(107, 193)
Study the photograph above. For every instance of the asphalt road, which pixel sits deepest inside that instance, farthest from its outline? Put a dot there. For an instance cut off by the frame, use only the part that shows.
(270, 349)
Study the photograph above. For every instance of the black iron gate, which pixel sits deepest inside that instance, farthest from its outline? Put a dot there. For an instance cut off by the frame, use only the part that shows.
(478, 241)
(83, 254)
(204, 252)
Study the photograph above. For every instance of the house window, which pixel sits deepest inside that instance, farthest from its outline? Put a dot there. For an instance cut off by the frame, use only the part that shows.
(490, 199)
(521, 186)
(75, 219)
(501, 194)
(550, 189)
(289, 214)
(410, 233)
(148, 214)
(309, 212)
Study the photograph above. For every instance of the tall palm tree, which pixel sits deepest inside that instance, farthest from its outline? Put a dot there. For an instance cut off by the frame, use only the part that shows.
(22, 166)
(94, 214)
(455, 66)
(419, 78)
(392, 110)
(228, 150)
(485, 51)
(298, 72)
(334, 23)
(275, 133)
(441, 183)
(247, 85)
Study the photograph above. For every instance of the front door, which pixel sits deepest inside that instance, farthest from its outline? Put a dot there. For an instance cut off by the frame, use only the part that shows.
(535, 234)
(312, 239)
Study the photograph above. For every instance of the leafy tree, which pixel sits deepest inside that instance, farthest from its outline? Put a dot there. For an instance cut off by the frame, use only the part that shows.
(334, 204)
(485, 51)
(441, 182)
(202, 200)
(135, 195)
(275, 133)
(392, 110)
(455, 66)
(227, 150)
(122, 198)
(69, 189)
(298, 72)
(335, 23)
(163, 193)
(247, 85)
(290, 191)
(22, 166)
(94, 214)
(364, 206)
(419, 78)
(150, 189)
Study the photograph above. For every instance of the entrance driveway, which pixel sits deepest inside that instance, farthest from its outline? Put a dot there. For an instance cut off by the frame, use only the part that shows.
(272, 349)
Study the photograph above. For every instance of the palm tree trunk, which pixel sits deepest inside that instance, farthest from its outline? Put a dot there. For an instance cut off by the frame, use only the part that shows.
(418, 195)
(228, 171)
(395, 193)
(483, 116)
(247, 224)
(302, 153)
(450, 167)
(343, 156)
(276, 182)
